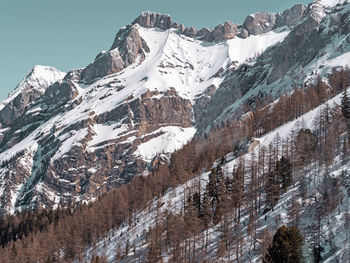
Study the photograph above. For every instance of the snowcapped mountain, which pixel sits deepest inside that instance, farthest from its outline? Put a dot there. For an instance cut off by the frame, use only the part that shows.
(75, 136)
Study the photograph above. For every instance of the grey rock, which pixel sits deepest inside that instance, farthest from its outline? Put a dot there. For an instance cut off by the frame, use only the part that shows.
(130, 46)
(230, 30)
(243, 33)
(29, 90)
(151, 20)
(60, 93)
(176, 25)
(291, 16)
(260, 23)
(224, 32)
(14, 109)
(109, 63)
(335, 20)
(181, 28)
(190, 32)
(205, 34)
(74, 75)
(127, 46)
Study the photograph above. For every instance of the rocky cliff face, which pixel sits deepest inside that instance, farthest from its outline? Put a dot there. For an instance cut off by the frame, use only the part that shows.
(75, 136)
(127, 47)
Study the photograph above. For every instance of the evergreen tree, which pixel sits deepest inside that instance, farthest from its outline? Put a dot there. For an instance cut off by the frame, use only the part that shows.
(196, 203)
(286, 246)
(272, 189)
(284, 170)
(345, 103)
(215, 190)
(317, 253)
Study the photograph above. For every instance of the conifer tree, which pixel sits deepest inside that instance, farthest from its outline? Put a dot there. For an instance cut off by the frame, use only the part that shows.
(284, 170)
(285, 247)
(272, 190)
(345, 103)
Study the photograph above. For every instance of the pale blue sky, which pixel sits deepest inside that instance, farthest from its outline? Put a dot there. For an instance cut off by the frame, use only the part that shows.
(68, 34)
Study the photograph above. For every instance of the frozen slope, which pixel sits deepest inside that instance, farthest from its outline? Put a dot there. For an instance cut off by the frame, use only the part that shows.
(173, 201)
(241, 50)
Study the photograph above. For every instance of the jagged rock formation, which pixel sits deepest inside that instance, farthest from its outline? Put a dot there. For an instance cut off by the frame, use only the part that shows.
(291, 16)
(253, 25)
(259, 23)
(152, 20)
(126, 48)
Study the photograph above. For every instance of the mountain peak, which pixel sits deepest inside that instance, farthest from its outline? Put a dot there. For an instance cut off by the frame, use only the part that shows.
(37, 80)
(39, 76)
(46, 73)
(149, 19)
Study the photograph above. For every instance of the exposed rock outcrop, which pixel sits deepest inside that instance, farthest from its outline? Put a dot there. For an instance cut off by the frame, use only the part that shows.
(260, 23)
(264, 22)
(60, 93)
(224, 32)
(152, 19)
(84, 173)
(254, 24)
(128, 45)
(190, 32)
(291, 16)
(74, 75)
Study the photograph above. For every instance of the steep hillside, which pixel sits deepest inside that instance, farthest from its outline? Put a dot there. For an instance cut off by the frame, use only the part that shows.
(317, 203)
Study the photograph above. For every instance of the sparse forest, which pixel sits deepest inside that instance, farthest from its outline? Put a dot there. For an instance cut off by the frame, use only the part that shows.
(251, 190)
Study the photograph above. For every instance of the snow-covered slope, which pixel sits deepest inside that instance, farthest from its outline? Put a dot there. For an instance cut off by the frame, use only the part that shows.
(241, 50)
(333, 225)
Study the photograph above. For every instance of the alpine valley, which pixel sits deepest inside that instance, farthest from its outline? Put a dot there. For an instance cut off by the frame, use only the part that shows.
(186, 145)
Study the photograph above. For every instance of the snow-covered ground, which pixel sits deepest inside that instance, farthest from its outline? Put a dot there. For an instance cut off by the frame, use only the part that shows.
(333, 225)
(241, 50)
(172, 138)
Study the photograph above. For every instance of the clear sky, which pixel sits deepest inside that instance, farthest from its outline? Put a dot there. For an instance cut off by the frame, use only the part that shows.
(68, 34)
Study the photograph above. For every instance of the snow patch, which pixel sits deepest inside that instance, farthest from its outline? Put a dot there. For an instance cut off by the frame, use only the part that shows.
(242, 49)
(172, 139)
(331, 3)
(106, 132)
